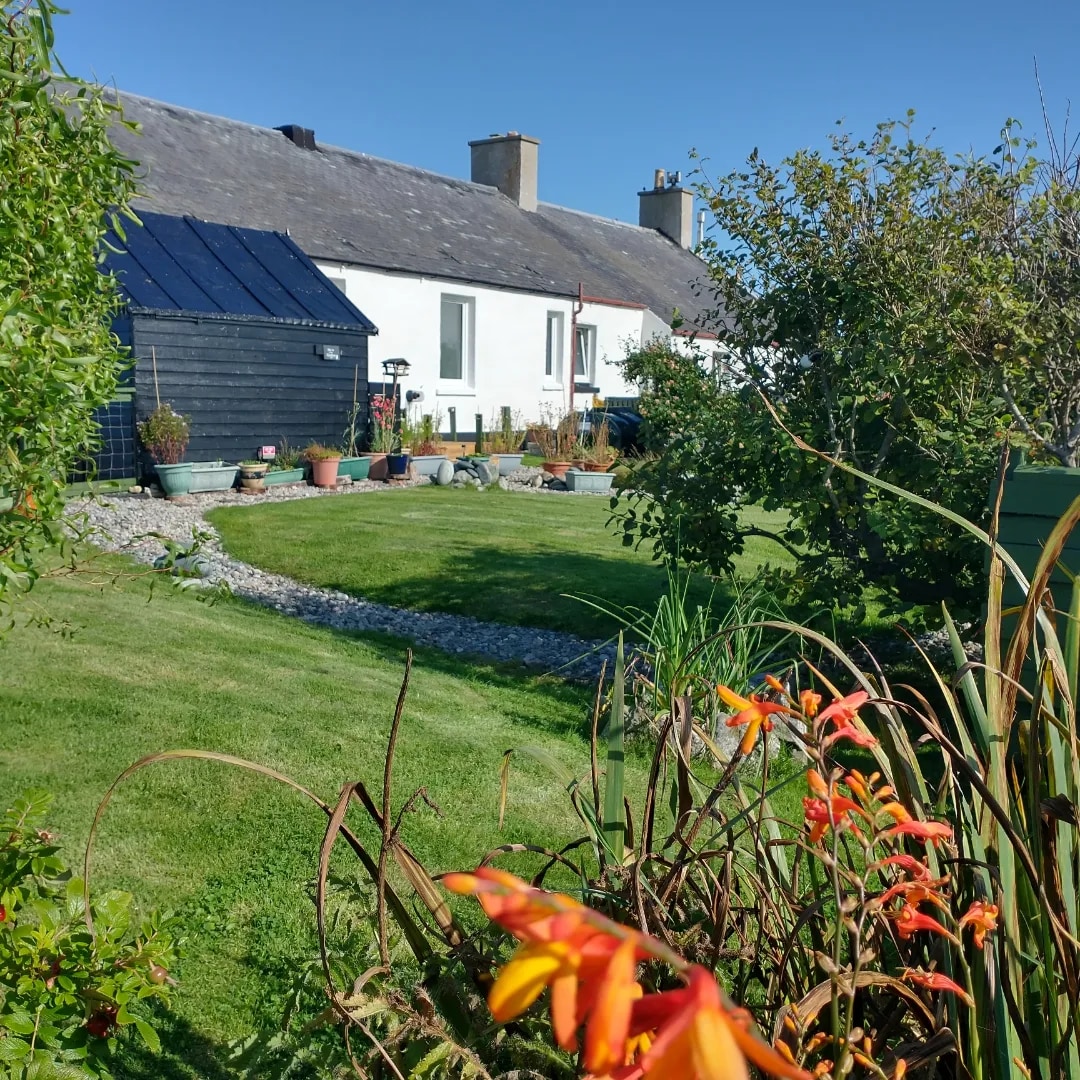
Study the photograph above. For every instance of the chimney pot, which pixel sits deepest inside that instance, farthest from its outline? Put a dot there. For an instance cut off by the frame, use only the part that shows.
(508, 162)
(299, 136)
(659, 180)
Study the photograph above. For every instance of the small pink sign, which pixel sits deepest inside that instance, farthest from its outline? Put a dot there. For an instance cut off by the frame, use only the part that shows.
(267, 452)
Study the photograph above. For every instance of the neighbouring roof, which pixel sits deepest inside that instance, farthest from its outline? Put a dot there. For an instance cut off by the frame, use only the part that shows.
(171, 264)
(348, 207)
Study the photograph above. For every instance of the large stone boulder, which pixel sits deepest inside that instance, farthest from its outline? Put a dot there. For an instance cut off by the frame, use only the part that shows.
(487, 473)
(445, 473)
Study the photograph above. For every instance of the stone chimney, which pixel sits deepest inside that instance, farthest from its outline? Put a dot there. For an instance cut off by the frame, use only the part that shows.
(668, 208)
(508, 162)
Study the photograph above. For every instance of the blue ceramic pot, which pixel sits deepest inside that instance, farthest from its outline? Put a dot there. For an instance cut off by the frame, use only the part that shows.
(397, 466)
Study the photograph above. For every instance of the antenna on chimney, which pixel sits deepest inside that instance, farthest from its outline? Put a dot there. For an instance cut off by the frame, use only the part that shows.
(674, 179)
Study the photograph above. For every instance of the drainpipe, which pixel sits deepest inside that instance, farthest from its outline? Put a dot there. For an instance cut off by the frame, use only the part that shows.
(578, 308)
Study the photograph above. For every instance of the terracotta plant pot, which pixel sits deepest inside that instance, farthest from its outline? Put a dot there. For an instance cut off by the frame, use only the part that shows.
(324, 473)
(597, 466)
(558, 469)
(378, 466)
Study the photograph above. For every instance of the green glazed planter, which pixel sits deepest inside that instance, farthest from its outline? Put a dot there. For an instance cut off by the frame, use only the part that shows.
(359, 468)
(212, 476)
(174, 479)
(284, 476)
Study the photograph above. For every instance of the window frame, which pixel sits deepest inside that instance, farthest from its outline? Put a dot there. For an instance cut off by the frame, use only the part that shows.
(554, 349)
(465, 383)
(589, 374)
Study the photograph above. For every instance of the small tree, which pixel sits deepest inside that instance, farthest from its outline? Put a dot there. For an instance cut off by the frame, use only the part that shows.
(63, 184)
(844, 290)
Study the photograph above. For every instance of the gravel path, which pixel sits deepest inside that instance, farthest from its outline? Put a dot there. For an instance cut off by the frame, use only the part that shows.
(120, 524)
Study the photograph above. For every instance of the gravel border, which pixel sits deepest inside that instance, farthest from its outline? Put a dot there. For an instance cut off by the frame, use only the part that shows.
(120, 523)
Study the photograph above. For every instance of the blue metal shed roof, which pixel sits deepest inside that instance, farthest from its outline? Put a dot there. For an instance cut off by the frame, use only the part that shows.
(184, 264)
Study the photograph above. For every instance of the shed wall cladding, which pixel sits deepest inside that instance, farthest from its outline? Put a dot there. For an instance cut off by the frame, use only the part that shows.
(247, 384)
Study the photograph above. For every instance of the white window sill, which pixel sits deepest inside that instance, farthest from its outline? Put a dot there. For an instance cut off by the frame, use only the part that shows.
(455, 391)
(554, 387)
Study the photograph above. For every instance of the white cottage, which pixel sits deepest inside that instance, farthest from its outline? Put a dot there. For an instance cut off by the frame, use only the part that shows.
(495, 298)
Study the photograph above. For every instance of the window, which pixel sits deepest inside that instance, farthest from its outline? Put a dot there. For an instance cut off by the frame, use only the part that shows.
(455, 339)
(338, 282)
(585, 353)
(553, 354)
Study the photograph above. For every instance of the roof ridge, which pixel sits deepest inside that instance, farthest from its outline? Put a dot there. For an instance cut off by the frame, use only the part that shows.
(595, 217)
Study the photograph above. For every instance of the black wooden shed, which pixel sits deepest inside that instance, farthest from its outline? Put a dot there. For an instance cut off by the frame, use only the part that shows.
(238, 329)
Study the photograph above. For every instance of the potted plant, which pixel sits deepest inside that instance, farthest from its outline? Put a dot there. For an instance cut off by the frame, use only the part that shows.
(253, 475)
(383, 435)
(165, 435)
(212, 476)
(601, 456)
(505, 441)
(556, 436)
(353, 463)
(397, 466)
(586, 480)
(324, 465)
(287, 467)
(427, 451)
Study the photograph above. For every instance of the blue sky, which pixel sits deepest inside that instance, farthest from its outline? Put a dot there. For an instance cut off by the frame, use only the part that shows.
(612, 88)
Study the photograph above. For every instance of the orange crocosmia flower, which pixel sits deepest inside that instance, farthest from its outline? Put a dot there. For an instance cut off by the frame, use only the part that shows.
(825, 813)
(909, 921)
(774, 683)
(816, 784)
(589, 962)
(590, 971)
(916, 892)
(935, 980)
(810, 703)
(908, 863)
(898, 813)
(843, 710)
(701, 1039)
(753, 713)
(932, 831)
(858, 785)
(982, 917)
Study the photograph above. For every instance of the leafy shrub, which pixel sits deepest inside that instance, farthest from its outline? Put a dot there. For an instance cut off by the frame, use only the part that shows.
(59, 360)
(165, 434)
(71, 987)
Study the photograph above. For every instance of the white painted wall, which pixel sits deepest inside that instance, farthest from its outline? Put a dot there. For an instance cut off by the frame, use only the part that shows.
(508, 348)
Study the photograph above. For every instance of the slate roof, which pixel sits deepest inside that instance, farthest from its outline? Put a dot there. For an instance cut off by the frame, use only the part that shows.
(184, 264)
(343, 206)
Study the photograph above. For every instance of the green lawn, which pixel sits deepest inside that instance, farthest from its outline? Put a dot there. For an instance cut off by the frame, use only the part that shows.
(234, 852)
(498, 556)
